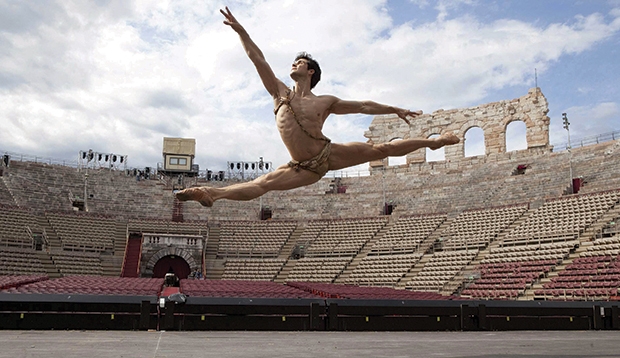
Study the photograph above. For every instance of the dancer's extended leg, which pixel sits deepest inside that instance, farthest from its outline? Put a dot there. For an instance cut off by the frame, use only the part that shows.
(283, 178)
(350, 154)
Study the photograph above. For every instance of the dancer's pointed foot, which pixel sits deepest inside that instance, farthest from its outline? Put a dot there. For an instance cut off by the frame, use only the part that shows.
(199, 194)
(445, 139)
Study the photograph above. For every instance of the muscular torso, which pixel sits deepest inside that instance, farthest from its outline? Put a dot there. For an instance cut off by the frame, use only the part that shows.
(311, 112)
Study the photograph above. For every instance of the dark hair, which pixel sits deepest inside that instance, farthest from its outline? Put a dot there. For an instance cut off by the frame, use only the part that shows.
(312, 65)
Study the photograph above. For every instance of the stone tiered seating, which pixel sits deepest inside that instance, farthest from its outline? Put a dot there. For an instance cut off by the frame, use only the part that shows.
(607, 241)
(311, 231)
(345, 237)
(39, 185)
(252, 269)
(154, 226)
(603, 246)
(586, 278)
(595, 164)
(246, 289)
(93, 285)
(383, 270)
(318, 269)
(441, 268)
(83, 232)
(556, 251)
(5, 195)
(77, 263)
(477, 228)
(15, 223)
(17, 261)
(112, 192)
(506, 280)
(355, 292)
(253, 238)
(407, 234)
(7, 282)
(562, 219)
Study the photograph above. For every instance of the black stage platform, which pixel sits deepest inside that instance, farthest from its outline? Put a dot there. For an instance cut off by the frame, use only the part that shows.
(107, 312)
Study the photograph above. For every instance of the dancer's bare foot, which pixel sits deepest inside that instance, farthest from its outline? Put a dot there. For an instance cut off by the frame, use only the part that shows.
(200, 195)
(445, 139)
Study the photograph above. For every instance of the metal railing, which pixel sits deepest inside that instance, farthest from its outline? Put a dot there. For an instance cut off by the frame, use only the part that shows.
(585, 141)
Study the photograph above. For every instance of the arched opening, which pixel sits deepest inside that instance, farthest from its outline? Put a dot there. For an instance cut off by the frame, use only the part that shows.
(171, 264)
(392, 161)
(474, 142)
(516, 136)
(436, 155)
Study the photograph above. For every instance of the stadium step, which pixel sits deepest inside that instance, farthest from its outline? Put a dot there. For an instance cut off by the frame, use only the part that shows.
(6, 195)
(53, 241)
(365, 250)
(214, 266)
(131, 263)
(120, 240)
(286, 269)
(215, 269)
(290, 243)
(212, 242)
(50, 269)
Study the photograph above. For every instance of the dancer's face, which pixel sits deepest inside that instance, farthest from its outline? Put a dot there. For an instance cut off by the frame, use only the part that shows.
(300, 67)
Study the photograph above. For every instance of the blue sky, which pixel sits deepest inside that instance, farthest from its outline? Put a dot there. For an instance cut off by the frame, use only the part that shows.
(117, 76)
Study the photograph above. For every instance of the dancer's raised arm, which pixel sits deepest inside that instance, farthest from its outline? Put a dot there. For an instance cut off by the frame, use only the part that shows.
(270, 81)
(369, 107)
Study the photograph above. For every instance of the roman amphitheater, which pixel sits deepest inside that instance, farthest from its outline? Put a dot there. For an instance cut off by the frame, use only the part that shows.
(504, 240)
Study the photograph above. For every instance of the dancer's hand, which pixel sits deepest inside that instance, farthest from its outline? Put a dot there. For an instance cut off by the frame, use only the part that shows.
(230, 20)
(404, 113)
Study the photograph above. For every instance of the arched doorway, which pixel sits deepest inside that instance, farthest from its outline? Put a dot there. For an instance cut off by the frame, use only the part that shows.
(171, 264)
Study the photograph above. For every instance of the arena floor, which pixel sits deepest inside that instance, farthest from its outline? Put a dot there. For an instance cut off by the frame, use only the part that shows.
(96, 344)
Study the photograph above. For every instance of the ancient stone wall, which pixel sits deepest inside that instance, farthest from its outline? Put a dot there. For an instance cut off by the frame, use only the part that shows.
(492, 118)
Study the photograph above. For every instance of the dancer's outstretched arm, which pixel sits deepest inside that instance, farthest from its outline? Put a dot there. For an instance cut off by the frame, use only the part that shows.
(270, 81)
(369, 107)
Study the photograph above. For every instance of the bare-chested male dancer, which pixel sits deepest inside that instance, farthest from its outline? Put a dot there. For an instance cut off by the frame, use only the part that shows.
(300, 116)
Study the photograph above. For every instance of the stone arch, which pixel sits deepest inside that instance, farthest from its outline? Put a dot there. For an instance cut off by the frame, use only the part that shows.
(171, 264)
(493, 118)
(465, 126)
(172, 251)
(474, 142)
(515, 137)
(530, 127)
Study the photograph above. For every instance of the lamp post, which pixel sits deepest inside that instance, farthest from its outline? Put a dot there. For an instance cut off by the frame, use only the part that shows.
(570, 153)
(383, 184)
(85, 191)
(260, 199)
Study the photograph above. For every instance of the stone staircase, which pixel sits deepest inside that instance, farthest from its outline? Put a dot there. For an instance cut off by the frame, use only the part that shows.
(131, 260)
(590, 234)
(53, 240)
(284, 272)
(214, 266)
(425, 248)
(6, 195)
(364, 251)
(289, 245)
(402, 283)
(459, 282)
(120, 239)
(50, 269)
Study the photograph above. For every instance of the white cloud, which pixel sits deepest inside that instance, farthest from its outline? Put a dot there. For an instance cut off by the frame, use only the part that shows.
(121, 75)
